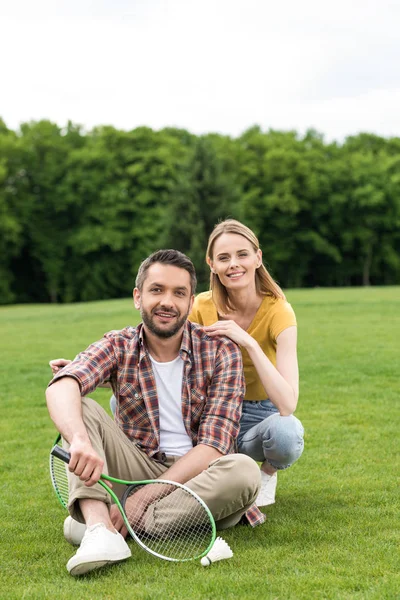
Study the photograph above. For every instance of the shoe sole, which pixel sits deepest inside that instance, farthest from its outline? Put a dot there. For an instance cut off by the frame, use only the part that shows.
(75, 567)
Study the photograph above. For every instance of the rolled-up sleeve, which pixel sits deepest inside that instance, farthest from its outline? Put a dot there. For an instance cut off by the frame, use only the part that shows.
(91, 367)
(219, 425)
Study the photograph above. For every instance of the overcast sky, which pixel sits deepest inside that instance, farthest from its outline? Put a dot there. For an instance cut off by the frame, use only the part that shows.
(208, 65)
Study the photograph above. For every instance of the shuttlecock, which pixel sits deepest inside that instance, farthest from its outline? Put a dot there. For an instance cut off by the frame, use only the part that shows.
(219, 551)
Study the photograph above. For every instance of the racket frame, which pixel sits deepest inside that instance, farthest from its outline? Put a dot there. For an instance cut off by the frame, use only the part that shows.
(55, 479)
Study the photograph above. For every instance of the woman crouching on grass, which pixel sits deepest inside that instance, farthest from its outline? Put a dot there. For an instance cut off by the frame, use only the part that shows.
(247, 305)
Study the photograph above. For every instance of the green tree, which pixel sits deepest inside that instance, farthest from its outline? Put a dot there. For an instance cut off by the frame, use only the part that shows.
(285, 190)
(206, 193)
(46, 231)
(370, 216)
(120, 185)
(79, 211)
(14, 208)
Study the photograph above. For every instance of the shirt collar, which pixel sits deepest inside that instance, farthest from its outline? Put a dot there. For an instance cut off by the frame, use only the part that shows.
(186, 344)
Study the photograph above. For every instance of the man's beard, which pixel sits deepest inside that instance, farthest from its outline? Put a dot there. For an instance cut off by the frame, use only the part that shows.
(148, 320)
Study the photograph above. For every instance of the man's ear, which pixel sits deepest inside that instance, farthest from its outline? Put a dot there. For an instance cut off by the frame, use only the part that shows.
(136, 298)
(191, 303)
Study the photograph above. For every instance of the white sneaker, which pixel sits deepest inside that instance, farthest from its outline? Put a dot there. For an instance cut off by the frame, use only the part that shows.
(99, 547)
(74, 531)
(266, 495)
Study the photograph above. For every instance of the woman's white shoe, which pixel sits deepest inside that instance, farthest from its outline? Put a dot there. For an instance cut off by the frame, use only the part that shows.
(266, 495)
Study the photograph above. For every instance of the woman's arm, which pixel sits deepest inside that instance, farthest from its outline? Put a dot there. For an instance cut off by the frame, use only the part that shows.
(281, 383)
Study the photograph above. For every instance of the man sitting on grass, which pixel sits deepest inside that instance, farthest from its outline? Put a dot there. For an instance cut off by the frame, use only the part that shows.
(179, 395)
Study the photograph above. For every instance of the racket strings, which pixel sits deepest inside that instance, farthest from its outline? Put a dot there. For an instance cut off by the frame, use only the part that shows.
(168, 520)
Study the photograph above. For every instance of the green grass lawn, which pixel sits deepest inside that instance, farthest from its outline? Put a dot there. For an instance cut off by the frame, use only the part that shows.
(334, 530)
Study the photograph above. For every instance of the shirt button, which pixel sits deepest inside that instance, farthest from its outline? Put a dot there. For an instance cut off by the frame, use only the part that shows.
(136, 395)
(201, 397)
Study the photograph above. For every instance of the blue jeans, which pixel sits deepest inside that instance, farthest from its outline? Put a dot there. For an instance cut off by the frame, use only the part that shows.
(266, 435)
(113, 404)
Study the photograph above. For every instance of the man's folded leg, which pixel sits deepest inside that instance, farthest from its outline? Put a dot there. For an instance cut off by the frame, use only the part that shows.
(229, 487)
(100, 544)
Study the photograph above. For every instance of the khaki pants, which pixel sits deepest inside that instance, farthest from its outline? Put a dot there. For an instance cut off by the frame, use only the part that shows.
(228, 486)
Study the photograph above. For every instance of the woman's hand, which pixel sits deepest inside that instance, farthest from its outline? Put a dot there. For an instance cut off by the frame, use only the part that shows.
(232, 330)
(58, 363)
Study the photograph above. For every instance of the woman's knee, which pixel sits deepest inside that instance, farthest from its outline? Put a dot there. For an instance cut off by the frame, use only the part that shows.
(285, 427)
(283, 441)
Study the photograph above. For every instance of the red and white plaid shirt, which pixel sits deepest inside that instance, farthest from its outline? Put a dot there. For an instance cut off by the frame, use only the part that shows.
(212, 388)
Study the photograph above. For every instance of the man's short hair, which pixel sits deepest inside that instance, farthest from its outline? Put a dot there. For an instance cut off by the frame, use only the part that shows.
(167, 257)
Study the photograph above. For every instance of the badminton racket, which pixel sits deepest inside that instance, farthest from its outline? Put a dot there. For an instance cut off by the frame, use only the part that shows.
(167, 519)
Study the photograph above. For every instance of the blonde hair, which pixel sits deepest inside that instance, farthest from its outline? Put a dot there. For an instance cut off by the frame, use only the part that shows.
(265, 285)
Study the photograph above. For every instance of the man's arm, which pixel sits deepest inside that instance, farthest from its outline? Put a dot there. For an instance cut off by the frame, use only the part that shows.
(65, 408)
(77, 379)
(186, 468)
(192, 463)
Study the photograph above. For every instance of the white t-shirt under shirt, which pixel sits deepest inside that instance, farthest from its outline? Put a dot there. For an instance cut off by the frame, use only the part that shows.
(174, 440)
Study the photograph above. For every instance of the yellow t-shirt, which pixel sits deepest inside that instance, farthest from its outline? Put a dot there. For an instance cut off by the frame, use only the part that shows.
(273, 316)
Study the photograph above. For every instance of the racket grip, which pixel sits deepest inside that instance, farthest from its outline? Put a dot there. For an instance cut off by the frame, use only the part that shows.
(61, 454)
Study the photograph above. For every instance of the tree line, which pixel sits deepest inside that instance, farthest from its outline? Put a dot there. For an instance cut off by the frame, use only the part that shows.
(80, 210)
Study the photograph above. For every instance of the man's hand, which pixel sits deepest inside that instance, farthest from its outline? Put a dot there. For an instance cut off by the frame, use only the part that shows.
(136, 506)
(85, 463)
(135, 509)
(117, 521)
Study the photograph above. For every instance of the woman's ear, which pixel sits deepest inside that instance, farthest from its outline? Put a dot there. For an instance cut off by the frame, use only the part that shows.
(210, 264)
(259, 257)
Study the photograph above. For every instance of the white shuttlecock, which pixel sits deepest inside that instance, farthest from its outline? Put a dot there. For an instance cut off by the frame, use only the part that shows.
(219, 551)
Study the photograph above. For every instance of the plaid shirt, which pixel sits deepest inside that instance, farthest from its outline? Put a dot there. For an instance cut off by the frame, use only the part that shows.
(212, 388)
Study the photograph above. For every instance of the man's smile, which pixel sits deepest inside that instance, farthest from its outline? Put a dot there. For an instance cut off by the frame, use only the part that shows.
(165, 316)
